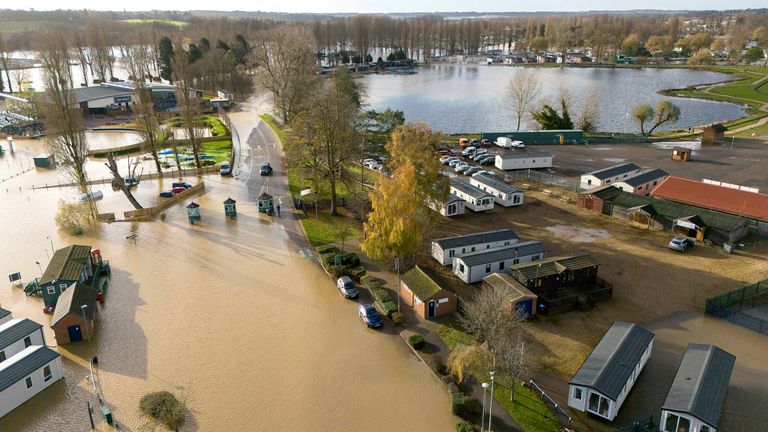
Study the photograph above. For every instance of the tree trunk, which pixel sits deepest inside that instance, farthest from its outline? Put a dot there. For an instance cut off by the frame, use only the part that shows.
(519, 117)
(112, 165)
(10, 89)
(642, 128)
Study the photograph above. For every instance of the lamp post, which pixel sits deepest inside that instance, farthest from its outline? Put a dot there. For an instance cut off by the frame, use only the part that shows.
(490, 404)
(397, 268)
(85, 321)
(40, 268)
(51, 240)
(482, 416)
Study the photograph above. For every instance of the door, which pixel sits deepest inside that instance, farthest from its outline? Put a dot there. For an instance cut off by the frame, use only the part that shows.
(431, 309)
(524, 308)
(75, 334)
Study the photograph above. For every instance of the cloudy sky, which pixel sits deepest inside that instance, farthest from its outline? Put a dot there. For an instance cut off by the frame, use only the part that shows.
(372, 6)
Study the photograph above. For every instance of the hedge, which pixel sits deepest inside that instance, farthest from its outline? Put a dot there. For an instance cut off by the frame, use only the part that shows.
(416, 341)
(163, 407)
(466, 407)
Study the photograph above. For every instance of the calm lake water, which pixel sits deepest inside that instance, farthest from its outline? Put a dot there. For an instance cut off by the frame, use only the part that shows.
(469, 98)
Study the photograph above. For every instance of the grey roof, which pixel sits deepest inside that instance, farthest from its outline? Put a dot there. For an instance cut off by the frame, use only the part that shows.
(24, 363)
(16, 329)
(476, 238)
(85, 94)
(4, 313)
(644, 177)
(701, 383)
(495, 184)
(603, 192)
(613, 360)
(509, 252)
(525, 155)
(613, 171)
(453, 198)
(468, 189)
(67, 264)
(71, 300)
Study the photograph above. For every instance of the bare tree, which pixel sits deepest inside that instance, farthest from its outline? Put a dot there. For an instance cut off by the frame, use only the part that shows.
(587, 119)
(19, 77)
(144, 108)
(511, 353)
(4, 61)
(522, 91)
(184, 73)
(65, 131)
(488, 317)
(120, 181)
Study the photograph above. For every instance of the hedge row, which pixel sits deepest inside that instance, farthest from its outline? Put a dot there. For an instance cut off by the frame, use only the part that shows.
(350, 263)
(380, 295)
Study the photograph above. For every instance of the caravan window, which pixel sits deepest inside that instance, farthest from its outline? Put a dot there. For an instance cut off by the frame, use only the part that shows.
(577, 393)
(677, 423)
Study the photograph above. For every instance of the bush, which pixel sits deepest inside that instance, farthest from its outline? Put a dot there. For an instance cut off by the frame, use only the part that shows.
(380, 295)
(457, 402)
(465, 427)
(74, 217)
(339, 271)
(397, 319)
(453, 388)
(357, 272)
(207, 162)
(369, 281)
(351, 259)
(163, 407)
(466, 407)
(389, 308)
(416, 341)
(323, 250)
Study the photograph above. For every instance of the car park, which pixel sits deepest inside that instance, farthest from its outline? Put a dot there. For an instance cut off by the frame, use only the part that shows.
(347, 287)
(370, 316)
(468, 151)
(167, 194)
(681, 244)
(461, 169)
(485, 142)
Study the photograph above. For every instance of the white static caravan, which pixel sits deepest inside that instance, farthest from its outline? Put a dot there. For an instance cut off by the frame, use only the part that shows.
(503, 194)
(444, 249)
(475, 199)
(606, 377)
(697, 395)
(17, 335)
(26, 374)
(518, 161)
(474, 267)
(643, 182)
(610, 175)
(453, 206)
(5, 316)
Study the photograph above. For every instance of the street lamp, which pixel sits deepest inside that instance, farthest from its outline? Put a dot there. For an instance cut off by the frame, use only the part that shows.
(482, 416)
(85, 321)
(51, 240)
(490, 404)
(397, 267)
(39, 267)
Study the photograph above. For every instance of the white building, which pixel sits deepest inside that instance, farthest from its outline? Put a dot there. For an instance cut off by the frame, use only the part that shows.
(503, 193)
(518, 161)
(5, 316)
(444, 249)
(609, 175)
(453, 206)
(697, 395)
(26, 374)
(475, 199)
(18, 334)
(119, 95)
(643, 182)
(605, 378)
(473, 267)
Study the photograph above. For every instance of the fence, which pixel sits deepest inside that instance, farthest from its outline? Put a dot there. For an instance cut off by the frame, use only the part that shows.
(544, 178)
(180, 174)
(560, 414)
(730, 306)
(645, 425)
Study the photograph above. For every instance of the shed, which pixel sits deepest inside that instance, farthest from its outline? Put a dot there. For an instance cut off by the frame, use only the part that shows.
(472, 268)
(70, 322)
(68, 265)
(522, 302)
(427, 298)
(444, 249)
(598, 200)
(193, 212)
(266, 204)
(45, 160)
(230, 207)
(26, 374)
(712, 134)
(606, 377)
(681, 153)
(17, 334)
(698, 392)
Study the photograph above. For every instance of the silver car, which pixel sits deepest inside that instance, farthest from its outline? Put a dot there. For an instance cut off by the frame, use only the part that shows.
(347, 287)
(681, 244)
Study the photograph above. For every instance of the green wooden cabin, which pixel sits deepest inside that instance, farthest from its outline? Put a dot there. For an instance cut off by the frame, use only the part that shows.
(193, 212)
(266, 204)
(68, 265)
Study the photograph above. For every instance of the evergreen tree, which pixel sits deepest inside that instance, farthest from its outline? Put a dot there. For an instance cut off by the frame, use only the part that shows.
(166, 55)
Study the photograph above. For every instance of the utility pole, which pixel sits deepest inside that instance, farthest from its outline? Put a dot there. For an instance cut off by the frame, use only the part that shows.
(490, 406)
(397, 268)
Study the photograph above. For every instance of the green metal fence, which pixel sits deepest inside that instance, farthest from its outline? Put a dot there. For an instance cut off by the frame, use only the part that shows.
(731, 306)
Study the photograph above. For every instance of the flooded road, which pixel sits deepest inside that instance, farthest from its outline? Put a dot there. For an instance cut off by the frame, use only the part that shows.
(226, 314)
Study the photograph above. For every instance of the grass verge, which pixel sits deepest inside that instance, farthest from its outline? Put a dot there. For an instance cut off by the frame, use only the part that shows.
(527, 409)
(453, 334)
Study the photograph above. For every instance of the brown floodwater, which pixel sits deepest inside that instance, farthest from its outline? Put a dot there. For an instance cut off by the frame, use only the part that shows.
(226, 314)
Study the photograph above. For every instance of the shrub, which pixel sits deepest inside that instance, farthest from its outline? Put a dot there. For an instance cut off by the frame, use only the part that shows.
(465, 427)
(457, 402)
(207, 162)
(339, 271)
(322, 250)
(380, 296)
(368, 281)
(416, 341)
(469, 408)
(74, 217)
(357, 272)
(453, 388)
(389, 308)
(163, 407)
(397, 319)
(350, 258)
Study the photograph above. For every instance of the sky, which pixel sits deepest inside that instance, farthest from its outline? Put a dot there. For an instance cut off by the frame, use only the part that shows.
(378, 6)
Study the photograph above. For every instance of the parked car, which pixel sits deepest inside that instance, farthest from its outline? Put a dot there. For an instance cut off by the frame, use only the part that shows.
(167, 194)
(91, 196)
(681, 244)
(485, 142)
(178, 189)
(462, 168)
(518, 144)
(453, 163)
(370, 316)
(266, 169)
(449, 160)
(483, 173)
(443, 159)
(225, 170)
(463, 142)
(488, 161)
(468, 151)
(472, 170)
(347, 287)
(183, 184)
(474, 142)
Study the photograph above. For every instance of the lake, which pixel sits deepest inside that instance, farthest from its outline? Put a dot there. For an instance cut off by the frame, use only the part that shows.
(471, 98)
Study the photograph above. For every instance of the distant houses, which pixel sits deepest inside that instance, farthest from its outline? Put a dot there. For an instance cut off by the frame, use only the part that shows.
(606, 377)
(473, 267)
(697, 395)
(445, 249)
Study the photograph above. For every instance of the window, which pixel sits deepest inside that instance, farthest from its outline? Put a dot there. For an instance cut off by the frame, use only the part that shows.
(463, 250)
(461, 268)
(654, 182)
(451, 253)
(29, 382)
(63, 287)
(473, 249)
(577, 393)
(451, 209)
(47, 375)
(589, 182)
(516, 199)
(607, 181)
(487, 268)
(27, 342)
(501, 266)
(2, 356)
(506, 243)
(535, 258)
(676, 423)
(516, 261)
(51, 289)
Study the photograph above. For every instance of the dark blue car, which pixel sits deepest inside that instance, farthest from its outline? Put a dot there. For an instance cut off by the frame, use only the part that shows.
(370, 316)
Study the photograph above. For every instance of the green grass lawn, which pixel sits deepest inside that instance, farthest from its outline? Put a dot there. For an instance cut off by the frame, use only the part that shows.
(453, 334)
(276, 127)
(527, 409)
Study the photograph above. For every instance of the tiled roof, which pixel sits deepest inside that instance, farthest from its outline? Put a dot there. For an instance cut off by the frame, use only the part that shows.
(71, 300)
(714, 197)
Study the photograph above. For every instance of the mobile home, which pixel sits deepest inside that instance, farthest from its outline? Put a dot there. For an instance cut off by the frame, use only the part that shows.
(26, 374)
(475, 199)
(610, 175)
(444, 249)
(503, 193)
(474, 267)
(518, 161)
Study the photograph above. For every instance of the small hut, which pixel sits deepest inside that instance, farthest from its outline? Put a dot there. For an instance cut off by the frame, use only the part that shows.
(230, 208)
(713, 133)
(266, 204)
(681, 154)
(193, 212)
(44, 160)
